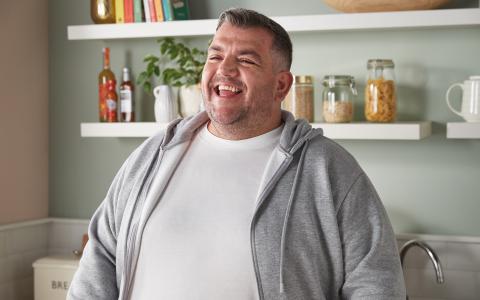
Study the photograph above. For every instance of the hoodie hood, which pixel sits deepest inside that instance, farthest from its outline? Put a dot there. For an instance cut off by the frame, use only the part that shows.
(294, 134)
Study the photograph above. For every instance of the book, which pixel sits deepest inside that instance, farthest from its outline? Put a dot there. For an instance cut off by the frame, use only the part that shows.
(179, 9)
(119, 11)
(153, 14)
(137, 11)
(146, 9)
(167, 10)
(159, 10)
(128, 11)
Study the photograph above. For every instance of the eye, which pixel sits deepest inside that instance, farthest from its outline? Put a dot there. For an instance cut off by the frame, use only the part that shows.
(247, 61)
(214, 57)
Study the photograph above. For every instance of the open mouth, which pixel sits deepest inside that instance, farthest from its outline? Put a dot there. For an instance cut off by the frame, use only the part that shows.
(226, 90)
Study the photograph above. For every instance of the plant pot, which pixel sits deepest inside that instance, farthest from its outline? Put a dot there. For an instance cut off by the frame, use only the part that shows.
(190, 100)
(165, 104)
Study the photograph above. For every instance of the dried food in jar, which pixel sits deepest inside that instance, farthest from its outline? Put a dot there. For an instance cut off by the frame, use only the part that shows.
(380, 100)
(338, 111)
(299, 101)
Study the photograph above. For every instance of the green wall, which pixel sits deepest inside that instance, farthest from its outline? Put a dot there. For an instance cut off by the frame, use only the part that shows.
(428, 186)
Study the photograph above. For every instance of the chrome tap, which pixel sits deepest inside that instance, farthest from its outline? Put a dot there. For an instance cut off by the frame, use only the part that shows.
(433, 257)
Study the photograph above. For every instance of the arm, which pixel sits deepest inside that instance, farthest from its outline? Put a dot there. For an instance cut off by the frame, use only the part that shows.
(96, 275)
(372, 263)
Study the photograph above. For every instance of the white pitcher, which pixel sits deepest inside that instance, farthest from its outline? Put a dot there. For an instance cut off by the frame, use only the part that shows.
(470, 108)
(165, 104)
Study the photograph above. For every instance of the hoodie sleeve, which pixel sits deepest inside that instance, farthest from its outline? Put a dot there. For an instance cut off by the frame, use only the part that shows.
(371, 258)
(96, 276)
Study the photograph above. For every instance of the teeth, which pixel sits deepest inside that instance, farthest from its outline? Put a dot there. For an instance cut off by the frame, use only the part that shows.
(228, 88)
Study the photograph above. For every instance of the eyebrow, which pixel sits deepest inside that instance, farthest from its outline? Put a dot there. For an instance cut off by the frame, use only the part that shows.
(242, 52)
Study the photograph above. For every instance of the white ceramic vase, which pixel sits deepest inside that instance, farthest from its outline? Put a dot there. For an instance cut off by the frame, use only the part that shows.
(165, 104)
(190, 100)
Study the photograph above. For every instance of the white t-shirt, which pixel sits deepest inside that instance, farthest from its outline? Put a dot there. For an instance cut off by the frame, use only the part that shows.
(196, 244)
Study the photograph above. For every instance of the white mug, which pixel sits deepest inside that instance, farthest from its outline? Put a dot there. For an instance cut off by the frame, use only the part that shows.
(470, 109)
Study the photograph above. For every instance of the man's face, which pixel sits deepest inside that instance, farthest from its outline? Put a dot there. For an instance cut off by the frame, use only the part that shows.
(242, 82)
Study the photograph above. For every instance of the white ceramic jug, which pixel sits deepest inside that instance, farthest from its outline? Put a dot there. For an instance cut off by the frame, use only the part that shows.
(165, 104)
(470, 108)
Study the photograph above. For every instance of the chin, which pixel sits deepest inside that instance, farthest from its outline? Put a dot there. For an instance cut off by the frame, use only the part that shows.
(225, 116)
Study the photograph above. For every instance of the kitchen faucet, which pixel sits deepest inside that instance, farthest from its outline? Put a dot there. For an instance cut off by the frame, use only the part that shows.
(433, 257)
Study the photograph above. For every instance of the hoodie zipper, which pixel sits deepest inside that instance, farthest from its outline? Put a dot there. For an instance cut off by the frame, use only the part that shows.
(284, 165)
(127, 275)
(262, 198)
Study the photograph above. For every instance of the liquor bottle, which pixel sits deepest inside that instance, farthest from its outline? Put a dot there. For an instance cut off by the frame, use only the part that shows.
(127, 104)
(106, 91)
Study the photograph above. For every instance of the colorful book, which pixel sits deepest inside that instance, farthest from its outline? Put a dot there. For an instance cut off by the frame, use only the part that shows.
(167, 10)
(179, 9)
(119, 11)
(153, 14)
(146, 9)
(159, 10)
(137, 11)
(128, 9)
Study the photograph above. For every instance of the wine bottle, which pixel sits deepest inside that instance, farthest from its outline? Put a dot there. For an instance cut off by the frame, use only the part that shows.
(127, 104)
(106, 91)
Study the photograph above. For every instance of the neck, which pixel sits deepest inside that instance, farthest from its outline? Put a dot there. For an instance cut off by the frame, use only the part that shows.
(239, 132)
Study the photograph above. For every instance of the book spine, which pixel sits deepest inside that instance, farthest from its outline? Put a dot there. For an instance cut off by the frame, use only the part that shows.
(159, 10)
(146, 8)
(137, 11)
(167, 12)
(180, 10)
(119, 11)
(128, 8)
(153, 14)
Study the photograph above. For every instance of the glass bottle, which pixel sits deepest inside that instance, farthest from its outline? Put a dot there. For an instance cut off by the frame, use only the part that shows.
(107, 96)
(380, 92)
(338, 95)
(102, 11)
(299, 101)
(127, 105)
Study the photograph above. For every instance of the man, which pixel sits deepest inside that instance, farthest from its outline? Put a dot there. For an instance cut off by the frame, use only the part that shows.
(241, 201)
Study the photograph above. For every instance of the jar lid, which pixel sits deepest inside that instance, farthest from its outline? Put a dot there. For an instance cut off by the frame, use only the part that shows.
(303, 79)
(386, 63)
(331, 80)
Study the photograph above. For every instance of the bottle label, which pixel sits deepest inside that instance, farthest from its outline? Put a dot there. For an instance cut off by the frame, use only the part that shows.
(126, 101)
(111, 105)
(102, 97)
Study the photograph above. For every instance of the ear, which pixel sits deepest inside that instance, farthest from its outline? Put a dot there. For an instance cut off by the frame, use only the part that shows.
(284, 82)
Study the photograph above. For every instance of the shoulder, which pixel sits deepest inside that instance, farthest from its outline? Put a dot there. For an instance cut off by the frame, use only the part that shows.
(329, 154)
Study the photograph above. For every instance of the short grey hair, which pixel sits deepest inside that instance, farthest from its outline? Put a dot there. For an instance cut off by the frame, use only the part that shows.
(242, 17)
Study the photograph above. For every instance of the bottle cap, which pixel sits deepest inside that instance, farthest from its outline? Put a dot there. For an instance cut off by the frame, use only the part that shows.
(303, 79)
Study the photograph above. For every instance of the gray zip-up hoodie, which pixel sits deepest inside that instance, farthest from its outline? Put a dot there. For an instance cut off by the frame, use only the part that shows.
(319, 231)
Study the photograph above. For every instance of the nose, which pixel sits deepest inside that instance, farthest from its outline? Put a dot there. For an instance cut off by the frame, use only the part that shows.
(228, 67)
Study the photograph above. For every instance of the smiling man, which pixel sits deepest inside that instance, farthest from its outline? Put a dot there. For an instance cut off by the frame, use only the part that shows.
(242, 201)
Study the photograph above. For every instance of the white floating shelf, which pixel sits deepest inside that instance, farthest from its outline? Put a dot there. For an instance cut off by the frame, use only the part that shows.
(463, 130)
(347, 131)
(136, 129)
(376, 131)
(306, 23)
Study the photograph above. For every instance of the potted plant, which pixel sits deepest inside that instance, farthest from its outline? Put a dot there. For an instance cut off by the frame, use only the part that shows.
(183, 69)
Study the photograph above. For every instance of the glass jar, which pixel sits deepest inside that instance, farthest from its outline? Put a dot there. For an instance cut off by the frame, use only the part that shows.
(299, 100)
(102, 11)
(380, 94)
(338, 95)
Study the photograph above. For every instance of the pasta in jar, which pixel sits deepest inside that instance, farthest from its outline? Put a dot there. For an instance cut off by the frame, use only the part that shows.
(380, 93)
